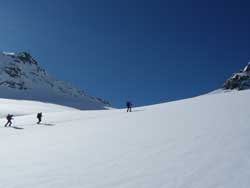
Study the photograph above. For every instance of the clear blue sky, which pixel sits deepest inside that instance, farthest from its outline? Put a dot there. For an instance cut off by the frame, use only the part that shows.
(139, 50)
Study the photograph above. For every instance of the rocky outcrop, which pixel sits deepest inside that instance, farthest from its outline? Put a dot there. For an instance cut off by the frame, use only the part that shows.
(239, 81)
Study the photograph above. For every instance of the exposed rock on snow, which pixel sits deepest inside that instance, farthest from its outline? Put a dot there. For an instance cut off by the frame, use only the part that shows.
(239, 81)
(21, 77)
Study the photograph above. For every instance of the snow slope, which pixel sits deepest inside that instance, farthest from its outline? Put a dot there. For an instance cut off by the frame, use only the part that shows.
(21, 77)
(23, 107)
(201, 142)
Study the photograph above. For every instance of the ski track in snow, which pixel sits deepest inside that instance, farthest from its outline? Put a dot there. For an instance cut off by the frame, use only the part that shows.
(201, 142)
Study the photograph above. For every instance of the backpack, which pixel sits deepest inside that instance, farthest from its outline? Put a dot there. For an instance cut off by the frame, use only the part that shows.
(9, 117)
(39, 115)
(129, 104)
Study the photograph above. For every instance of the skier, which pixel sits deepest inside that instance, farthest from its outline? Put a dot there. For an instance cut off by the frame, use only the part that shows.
(129, 106)
(39, 117)
(9, 117)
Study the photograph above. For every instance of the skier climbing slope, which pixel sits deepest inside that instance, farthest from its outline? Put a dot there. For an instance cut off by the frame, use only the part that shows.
(199, 142)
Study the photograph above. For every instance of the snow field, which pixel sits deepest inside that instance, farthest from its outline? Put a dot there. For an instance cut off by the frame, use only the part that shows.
(199, 142)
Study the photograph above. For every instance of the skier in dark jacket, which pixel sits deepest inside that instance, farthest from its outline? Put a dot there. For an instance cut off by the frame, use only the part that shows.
(9, 117)
(129, 106)
(39, 117)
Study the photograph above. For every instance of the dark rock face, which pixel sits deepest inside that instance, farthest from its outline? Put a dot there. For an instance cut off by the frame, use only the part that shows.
(13, 71)
(14, 85)
(239, 81)
(23, 57)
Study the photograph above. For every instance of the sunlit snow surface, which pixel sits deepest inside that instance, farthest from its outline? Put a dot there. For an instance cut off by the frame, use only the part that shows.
(201, 142)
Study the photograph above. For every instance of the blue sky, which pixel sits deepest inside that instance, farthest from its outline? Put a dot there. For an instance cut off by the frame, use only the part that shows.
(139, 50)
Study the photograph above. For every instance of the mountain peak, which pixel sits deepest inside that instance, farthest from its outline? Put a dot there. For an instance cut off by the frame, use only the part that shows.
(239, 81)
(22, 78)
(247, 68)
(21, 57)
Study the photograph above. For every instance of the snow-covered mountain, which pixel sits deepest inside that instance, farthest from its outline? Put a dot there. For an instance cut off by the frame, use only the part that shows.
(21, 77)
(239, 81)
(201, 142)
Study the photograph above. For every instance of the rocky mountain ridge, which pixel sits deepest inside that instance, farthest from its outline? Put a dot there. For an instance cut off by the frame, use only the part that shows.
(22, 77)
